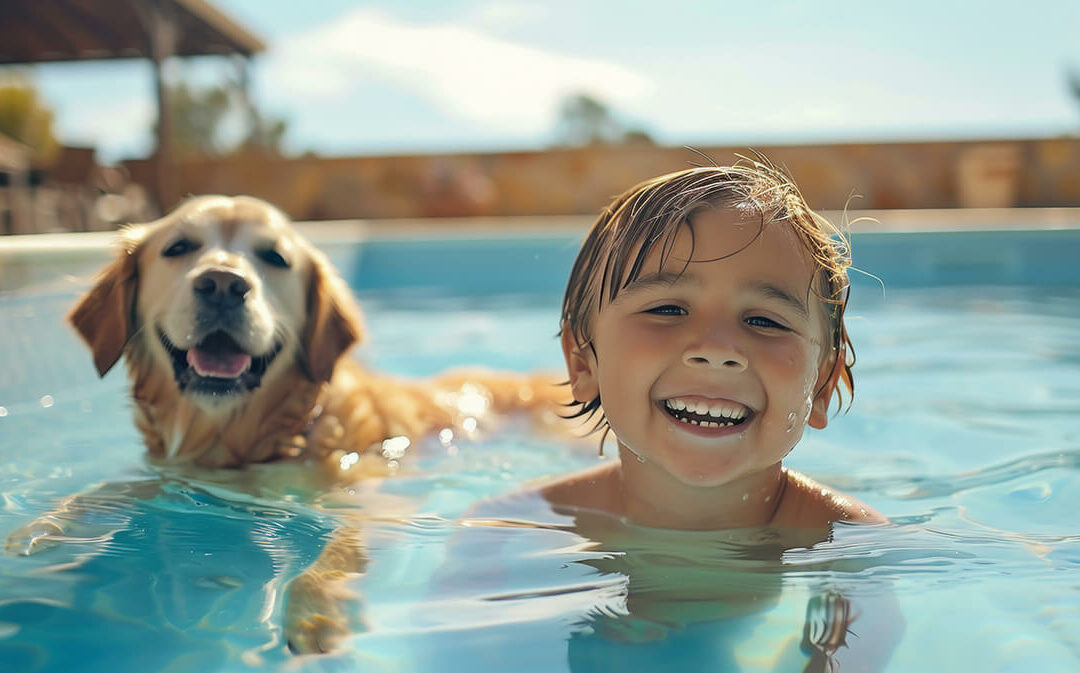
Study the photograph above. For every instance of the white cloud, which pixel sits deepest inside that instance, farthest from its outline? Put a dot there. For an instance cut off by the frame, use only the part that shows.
(120, 128)
(500, 14)
(468, 73)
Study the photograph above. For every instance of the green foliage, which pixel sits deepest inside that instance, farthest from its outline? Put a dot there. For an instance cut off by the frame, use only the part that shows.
(1072, 81)
(25, 117)
(216, 121)
(585, 120)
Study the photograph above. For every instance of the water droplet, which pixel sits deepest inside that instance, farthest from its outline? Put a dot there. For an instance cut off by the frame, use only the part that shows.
(46, 401)
(471, 401)
(348, 460)
(395, 447)
(745, 497)
(3, 412)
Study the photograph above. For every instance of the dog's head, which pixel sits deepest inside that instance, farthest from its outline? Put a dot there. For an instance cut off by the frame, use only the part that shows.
(221, 294)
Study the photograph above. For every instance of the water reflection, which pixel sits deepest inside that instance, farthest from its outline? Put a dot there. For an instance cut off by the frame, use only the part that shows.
(660, 600)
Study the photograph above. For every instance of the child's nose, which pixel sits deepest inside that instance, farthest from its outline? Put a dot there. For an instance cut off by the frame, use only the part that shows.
(715, 351)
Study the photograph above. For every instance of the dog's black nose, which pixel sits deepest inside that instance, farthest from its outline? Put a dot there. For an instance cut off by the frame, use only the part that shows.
(223, 288)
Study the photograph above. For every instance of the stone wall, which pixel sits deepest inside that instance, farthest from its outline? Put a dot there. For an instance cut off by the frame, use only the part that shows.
(1006, 173)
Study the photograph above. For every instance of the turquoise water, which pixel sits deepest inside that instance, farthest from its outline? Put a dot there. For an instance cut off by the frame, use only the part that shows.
(964, 432)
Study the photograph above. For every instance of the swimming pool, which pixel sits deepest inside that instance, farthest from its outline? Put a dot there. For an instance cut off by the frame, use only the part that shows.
(964, 431)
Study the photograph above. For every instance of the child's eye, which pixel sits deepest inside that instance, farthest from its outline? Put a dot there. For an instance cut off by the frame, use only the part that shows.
(762, 321)
(666, 310)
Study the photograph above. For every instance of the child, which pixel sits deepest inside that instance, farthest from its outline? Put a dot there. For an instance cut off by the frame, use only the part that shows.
(703, 327)
(704, 323)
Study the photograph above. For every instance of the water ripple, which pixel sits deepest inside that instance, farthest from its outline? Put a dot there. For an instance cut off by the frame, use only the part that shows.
(919, 487)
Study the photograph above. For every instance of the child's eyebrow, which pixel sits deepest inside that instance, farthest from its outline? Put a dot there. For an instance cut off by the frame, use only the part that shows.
(770, 291)
(661, 278)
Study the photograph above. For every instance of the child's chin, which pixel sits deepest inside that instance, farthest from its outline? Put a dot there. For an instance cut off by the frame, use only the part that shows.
(706, 474)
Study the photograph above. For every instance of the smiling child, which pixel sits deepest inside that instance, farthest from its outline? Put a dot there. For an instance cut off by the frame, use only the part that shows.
(703, 326)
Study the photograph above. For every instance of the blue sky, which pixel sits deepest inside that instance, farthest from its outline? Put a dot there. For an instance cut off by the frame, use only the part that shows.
(460, 75)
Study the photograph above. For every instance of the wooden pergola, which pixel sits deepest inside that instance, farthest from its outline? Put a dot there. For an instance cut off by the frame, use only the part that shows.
(42, 31)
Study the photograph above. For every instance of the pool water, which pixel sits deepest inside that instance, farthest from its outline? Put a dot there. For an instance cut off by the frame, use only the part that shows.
(963, 431)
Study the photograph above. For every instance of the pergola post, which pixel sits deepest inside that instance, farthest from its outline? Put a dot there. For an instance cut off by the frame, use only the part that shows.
(243, 71)
(160, 23)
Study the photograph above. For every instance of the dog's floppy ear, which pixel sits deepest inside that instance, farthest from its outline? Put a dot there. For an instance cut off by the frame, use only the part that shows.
(105, 315)
(333, 321)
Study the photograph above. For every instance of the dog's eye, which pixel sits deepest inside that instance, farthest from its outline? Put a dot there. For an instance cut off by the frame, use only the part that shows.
(181, 247)
(273, 258)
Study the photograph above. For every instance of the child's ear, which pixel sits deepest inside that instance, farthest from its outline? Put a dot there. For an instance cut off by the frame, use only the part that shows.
(581, 367)
(826, 386)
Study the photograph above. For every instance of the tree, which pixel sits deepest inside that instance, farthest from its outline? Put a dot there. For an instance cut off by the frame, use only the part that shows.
(218, 120)
(585, 120)
(25, 117)
(1072, 80)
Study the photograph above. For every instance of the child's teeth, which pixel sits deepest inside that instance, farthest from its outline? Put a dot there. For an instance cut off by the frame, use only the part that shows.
(701, 408)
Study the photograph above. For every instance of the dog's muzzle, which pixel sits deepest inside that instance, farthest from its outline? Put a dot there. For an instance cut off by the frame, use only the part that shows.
(217, 365)
(221, 288)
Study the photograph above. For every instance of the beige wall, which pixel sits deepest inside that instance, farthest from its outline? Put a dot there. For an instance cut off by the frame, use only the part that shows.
(887, 175)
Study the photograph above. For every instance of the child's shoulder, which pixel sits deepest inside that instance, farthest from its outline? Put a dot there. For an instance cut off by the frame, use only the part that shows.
(594, 488)
(808, 504)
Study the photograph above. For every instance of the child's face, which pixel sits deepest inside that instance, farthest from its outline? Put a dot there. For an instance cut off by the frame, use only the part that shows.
(737, 341)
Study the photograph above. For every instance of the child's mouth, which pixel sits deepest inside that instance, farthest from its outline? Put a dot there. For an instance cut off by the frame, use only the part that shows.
(706, 415)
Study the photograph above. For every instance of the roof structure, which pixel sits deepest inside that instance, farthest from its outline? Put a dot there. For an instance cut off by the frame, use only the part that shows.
(44, 31)
(40, 31)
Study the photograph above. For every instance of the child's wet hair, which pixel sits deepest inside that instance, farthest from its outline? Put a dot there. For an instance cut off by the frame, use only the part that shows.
(650, 215)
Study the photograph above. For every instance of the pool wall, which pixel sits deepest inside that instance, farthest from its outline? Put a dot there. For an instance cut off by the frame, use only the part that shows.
(1038, 247)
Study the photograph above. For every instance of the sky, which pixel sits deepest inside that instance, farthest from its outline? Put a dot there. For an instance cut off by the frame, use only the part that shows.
(401, 76)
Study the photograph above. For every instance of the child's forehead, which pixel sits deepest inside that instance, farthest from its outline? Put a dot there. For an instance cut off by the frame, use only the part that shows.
(714, 235)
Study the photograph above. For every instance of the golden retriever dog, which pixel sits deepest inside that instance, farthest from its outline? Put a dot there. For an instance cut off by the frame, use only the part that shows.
(235, 330)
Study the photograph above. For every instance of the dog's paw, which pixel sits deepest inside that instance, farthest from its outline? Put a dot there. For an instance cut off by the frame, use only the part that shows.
(36, 536)
(320, 612)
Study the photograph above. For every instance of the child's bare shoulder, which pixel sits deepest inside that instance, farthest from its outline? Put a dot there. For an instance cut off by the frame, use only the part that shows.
(807, 503)
(594, 488)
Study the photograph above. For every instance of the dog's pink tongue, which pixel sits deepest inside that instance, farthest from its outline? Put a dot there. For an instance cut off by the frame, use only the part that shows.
(221, 365)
